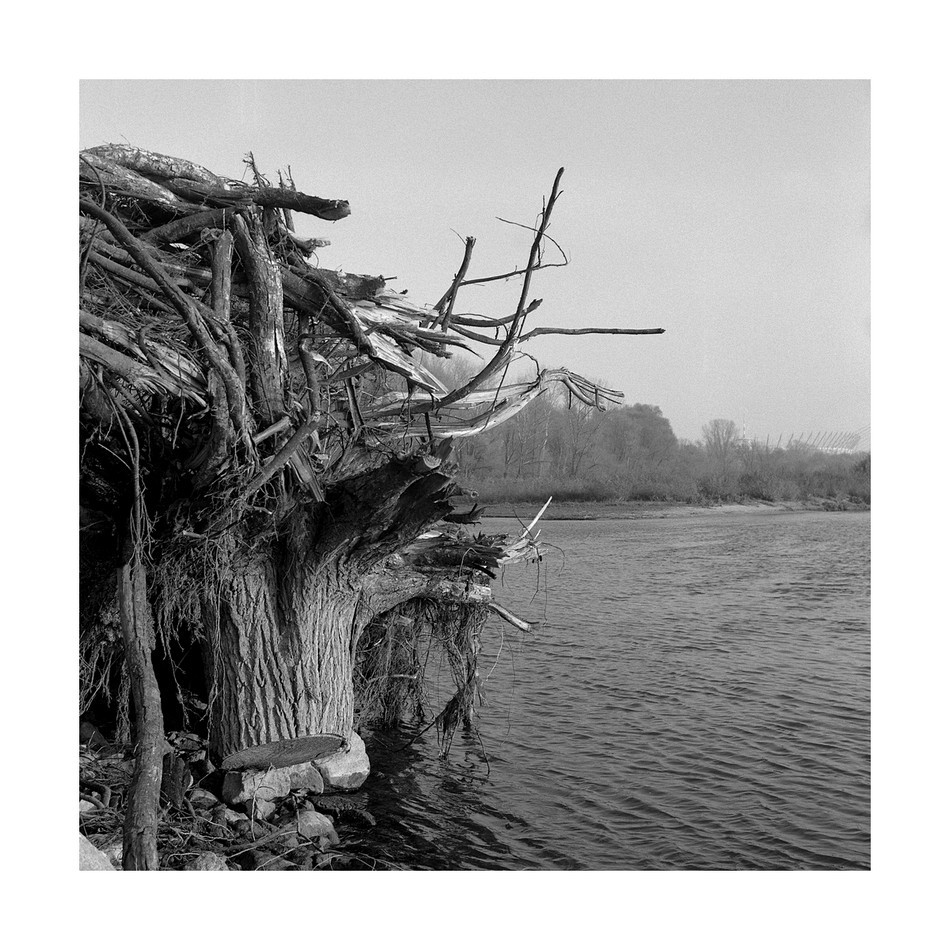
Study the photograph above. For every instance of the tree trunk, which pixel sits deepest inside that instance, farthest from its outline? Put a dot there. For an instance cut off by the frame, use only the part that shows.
(140, 836)
(281, 662)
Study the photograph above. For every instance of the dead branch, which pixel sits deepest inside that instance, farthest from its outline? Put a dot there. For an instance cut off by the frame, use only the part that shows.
(182, 303)
(266, 318)
(182, 228)
(445, 305)
(477, 320)
(502, 354)
(508, 616)
(565, 331)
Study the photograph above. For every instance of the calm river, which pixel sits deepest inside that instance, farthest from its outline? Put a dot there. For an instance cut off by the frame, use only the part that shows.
(698, 697)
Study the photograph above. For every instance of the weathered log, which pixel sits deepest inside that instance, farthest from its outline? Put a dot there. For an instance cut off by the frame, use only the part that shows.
(266, 319)
(130, 276)
(221, 301)
(100, 172)
(326, 208)
(181, 228)
(140, 836)
(137, 373)
(154, 164)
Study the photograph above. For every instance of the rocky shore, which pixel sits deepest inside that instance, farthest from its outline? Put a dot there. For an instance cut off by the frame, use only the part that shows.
(278, 819)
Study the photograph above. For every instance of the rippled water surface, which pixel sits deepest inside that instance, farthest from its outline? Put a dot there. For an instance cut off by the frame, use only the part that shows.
(698, 697)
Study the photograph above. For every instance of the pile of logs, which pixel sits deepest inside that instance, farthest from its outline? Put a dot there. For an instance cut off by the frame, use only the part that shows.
(265, 452)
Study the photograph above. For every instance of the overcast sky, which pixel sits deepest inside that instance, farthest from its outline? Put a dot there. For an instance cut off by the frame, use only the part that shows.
(734, 214)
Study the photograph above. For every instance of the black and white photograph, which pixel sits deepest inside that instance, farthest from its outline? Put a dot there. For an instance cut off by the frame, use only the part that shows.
(474, 474)
(443, 507)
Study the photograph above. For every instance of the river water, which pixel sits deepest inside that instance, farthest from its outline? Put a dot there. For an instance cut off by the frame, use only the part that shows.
(698, 697)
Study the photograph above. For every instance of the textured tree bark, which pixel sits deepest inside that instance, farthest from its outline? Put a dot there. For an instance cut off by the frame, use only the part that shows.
(281, 659)
(140, 834)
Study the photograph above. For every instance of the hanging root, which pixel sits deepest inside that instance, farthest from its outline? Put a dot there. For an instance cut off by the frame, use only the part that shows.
(390, 669)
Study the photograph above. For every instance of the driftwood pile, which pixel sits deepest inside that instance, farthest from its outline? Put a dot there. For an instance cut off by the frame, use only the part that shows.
(266, 459)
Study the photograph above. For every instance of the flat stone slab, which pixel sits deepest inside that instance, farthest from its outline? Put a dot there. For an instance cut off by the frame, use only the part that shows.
(284, 752)
(269, 784)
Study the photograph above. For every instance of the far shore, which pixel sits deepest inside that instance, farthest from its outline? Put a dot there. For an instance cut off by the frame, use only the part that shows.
(595, 510)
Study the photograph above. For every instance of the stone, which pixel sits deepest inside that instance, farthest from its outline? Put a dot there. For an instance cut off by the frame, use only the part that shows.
(260, 808)
(91, 858)
(203, 799)
(208, 861)
(305, 777)
(240, 787)
(270, 784)
(313, 825)
(232, 817)
(348, 768)
(85, 806)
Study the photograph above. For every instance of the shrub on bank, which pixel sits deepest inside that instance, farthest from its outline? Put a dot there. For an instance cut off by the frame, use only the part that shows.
(775, 477)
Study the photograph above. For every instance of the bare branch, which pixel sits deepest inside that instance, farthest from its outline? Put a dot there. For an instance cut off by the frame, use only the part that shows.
(564, 331)
(504, 351)
(444, 306)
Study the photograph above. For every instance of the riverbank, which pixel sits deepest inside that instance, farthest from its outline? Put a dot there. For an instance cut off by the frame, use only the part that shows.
(632, 510)
(298, 818)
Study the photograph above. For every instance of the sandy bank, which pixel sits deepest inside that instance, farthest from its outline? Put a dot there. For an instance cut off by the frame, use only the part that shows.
(592, 511)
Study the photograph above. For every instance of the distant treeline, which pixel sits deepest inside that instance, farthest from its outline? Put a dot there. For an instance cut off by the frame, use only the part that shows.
(571, 451)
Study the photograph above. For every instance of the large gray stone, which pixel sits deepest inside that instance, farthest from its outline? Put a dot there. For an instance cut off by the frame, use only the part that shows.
(201, 798)
(269, 784)
(305, 777)
(240, 787)
(347, 769)
(91, 858)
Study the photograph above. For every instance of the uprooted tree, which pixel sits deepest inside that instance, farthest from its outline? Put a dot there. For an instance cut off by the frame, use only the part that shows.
(266, 460)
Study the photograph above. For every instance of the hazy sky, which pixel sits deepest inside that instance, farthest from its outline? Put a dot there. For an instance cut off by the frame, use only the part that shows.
(734, 214)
